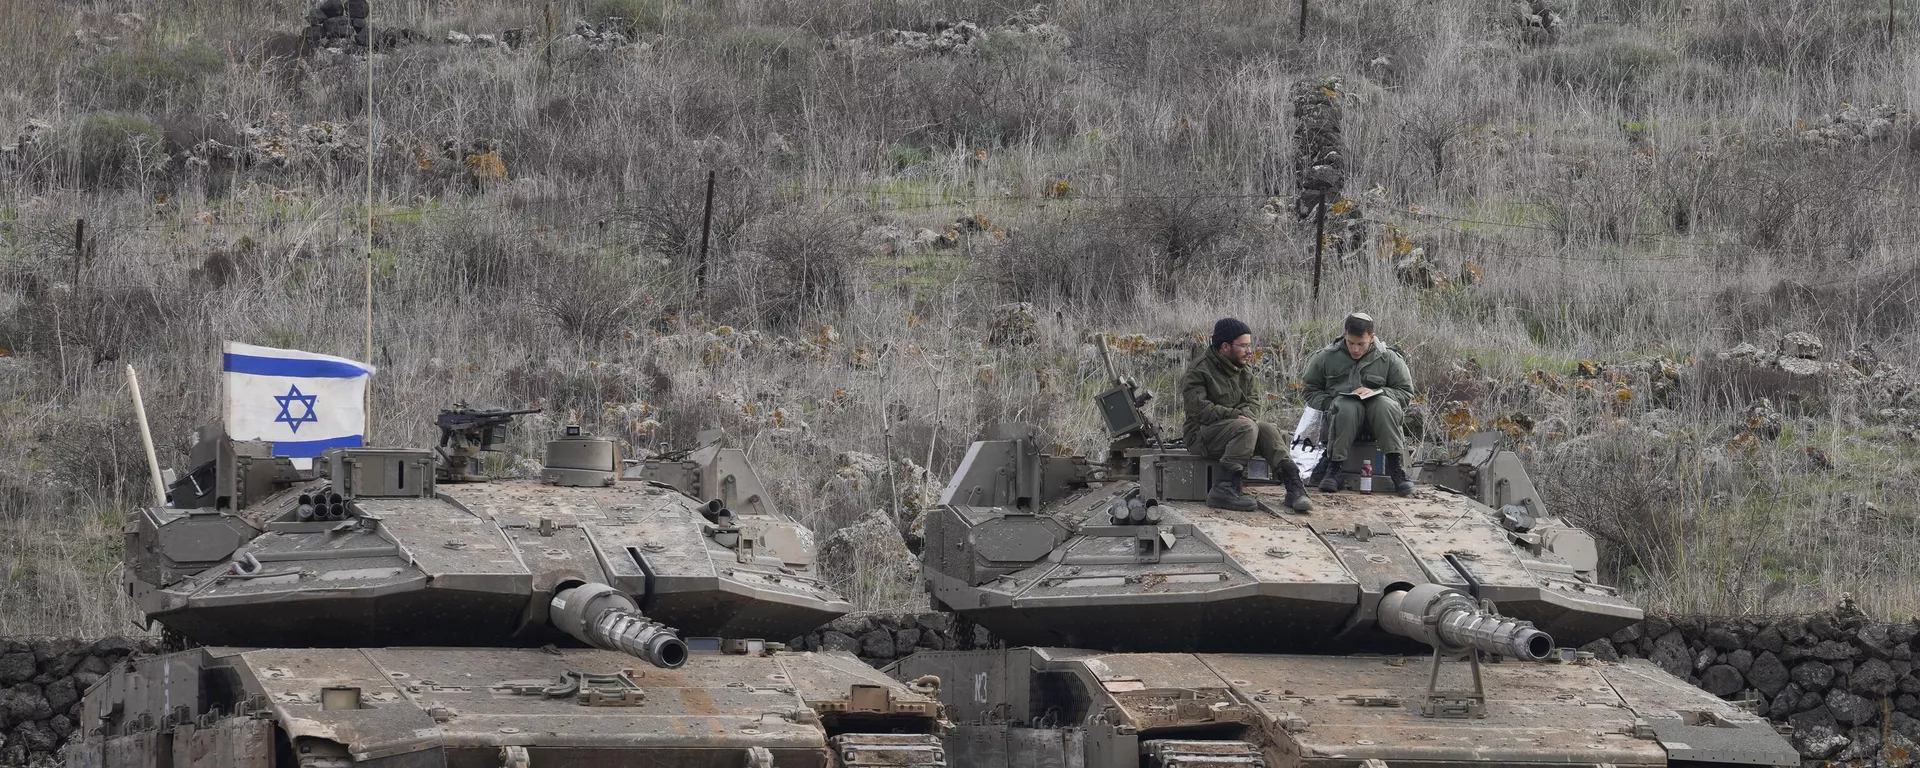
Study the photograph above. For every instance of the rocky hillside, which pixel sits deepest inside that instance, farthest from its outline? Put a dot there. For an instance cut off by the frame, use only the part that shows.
(1572, 217)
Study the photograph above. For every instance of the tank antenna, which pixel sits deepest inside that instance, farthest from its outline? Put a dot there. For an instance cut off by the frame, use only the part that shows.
(146, 439)
(368, 405)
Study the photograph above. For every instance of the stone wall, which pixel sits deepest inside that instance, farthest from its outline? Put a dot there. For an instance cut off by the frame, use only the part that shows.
(41, 680)
(1845, 682)
(879, 638)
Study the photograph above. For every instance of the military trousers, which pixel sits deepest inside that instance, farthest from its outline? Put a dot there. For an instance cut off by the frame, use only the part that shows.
(1235, 441)
(1383, 415)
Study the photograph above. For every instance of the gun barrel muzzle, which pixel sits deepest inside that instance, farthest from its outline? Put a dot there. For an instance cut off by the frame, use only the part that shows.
(1449, 620)
(605, 618)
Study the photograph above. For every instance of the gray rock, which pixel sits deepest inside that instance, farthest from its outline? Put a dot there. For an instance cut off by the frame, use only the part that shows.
(877, 644)
(1907, 703)
(1723, 638)
(332, 7)
(1909, 684)
(1902, 633)
(61, 695)
(937, 623)
(1741, 660)
(36, 737)
(981, 637)
(1670, 653)
(1904, 725)
(1801, 344)
(357, 9)
(1872, 678)
(94, 664)
(1792, 631)
(1784, 704)
(1850, 709)
(28, 703)
(1657, 627)
(1602, 649)
(1863, 744)
(1703, 658)
(1768, 675)
(1628, 634)
(905, 640)
(1899, 749)
(113, 646)
(16, 668)
(1834, 650)
(84, 680)
(1875, 640)
(1769, 639)
(1813, 675)
(61, 725)
(853, 624)
(1722, 680)
(833, 640)
(1816, 735)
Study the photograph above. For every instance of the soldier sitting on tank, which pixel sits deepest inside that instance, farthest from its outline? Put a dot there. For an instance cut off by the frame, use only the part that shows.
(1358, 381)
(1223, 410)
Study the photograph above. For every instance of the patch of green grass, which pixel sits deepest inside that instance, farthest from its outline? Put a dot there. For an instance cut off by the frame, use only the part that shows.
(903, 156)
(137, 77)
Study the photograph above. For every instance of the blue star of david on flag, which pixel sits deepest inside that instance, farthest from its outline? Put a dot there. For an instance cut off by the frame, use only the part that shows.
(303, 403)
(286, 402)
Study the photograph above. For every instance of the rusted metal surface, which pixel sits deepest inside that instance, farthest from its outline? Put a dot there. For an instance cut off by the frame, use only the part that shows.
(1287, 710)
(562, 707)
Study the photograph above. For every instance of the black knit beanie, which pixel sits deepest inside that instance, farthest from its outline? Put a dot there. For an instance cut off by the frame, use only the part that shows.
(1228, 329)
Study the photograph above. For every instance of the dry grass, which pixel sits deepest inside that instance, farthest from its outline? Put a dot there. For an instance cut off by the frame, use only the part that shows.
(1631, 190)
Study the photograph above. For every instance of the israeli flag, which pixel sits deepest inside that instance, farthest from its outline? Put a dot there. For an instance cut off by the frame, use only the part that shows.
(301, 402)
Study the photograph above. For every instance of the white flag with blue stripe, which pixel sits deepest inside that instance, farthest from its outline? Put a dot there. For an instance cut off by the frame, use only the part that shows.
(302, 402)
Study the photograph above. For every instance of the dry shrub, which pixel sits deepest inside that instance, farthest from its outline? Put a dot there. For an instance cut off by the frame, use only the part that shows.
(1607, 64)
(593, 296)
(1618, 487)
(109, 149)
(1868, 303)
(799, 266)
(1790, 34)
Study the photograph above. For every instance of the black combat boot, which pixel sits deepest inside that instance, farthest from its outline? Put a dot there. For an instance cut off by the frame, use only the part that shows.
(1226, 491)
(1401, 485)
(1327, 474)
(1288, 474)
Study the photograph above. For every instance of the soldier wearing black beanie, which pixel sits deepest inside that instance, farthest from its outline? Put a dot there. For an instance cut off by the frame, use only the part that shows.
(1223, 404)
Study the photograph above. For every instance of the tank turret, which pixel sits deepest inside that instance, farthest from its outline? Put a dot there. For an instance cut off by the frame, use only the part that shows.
(393, 546)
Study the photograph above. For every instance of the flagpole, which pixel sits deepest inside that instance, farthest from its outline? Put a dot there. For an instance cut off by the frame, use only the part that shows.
(369, 296)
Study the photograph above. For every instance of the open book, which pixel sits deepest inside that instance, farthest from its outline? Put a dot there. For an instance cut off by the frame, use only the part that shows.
(1369, 394)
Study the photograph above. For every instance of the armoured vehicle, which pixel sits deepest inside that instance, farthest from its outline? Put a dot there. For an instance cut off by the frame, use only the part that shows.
(396, 607)
(1412, 631)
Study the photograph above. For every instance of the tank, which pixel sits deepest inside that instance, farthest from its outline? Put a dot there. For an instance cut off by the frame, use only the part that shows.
(397, 607)
(1153, 631)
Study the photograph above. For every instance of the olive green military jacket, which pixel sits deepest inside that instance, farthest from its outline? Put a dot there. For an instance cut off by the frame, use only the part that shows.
(1333, 372)
(1215, 390)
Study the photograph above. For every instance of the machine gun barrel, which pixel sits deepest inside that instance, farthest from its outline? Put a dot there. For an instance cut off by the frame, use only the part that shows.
(1450, 621)
(603, 617)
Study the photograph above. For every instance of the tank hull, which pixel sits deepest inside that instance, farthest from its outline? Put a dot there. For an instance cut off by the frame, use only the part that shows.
(337, 708)
(1033, 707)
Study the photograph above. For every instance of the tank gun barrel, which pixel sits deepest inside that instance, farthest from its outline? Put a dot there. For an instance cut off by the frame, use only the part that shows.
(1450, 621)
(603, 617)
